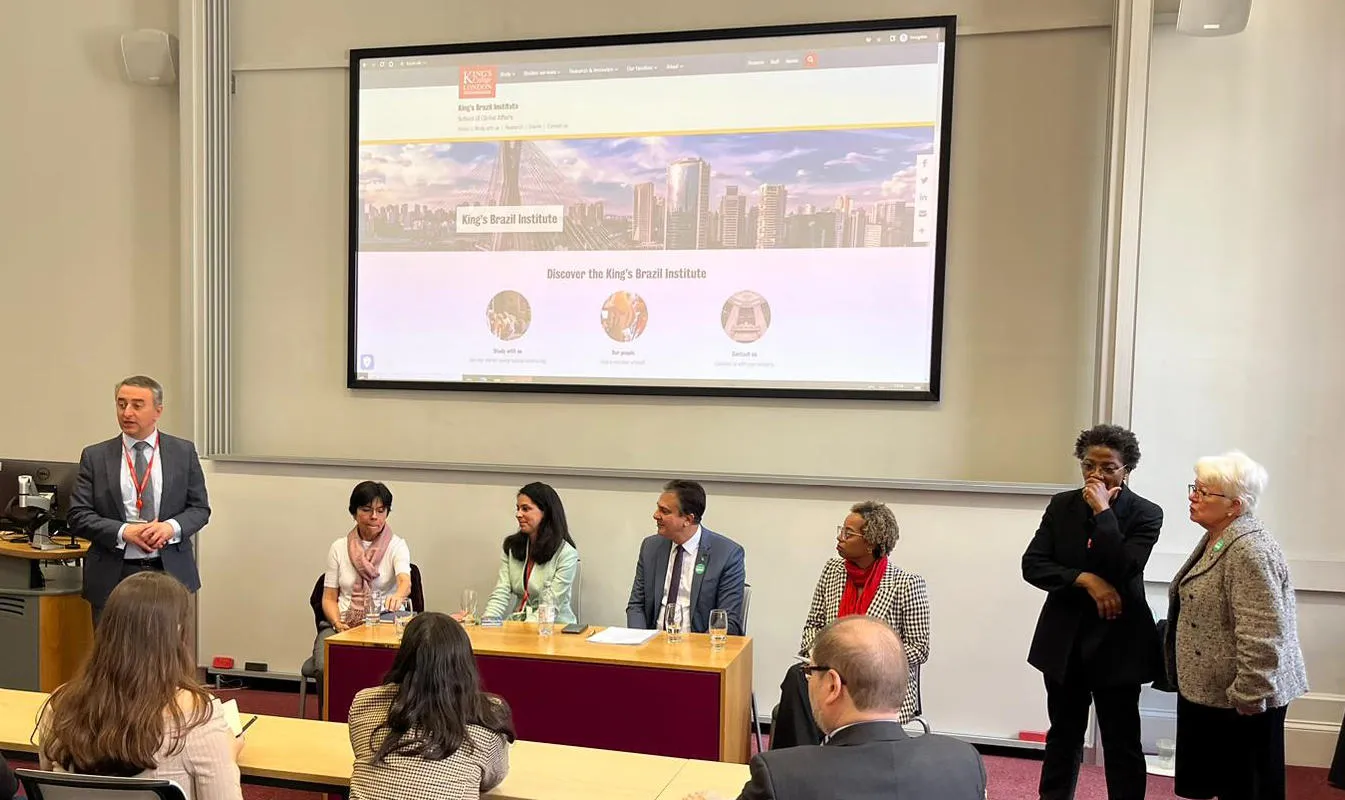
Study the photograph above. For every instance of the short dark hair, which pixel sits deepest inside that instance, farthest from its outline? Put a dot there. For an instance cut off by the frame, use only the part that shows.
(690, 496)
(551, 531)
(366, 492)
(869, 657)
(1113, 437)
(438, 694)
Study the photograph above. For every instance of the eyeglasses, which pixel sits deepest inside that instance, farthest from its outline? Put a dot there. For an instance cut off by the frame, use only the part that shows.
(843, 532)
(1105, 469)
(1191, 488)
(809, 669)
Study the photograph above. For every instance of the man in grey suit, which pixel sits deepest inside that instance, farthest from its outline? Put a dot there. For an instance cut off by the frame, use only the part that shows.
(139, 498)
(856, 683)
(694, 566)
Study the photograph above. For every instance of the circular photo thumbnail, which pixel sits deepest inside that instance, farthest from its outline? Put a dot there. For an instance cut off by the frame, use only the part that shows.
(746, 316)
(508, 315)
(624, 316)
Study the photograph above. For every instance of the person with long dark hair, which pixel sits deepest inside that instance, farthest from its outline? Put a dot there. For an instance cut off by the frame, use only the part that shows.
(539, 559)
(135, 707)
(429, 732)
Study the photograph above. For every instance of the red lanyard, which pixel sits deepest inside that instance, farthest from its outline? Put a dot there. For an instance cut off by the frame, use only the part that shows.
(142, 483)
(527, 573)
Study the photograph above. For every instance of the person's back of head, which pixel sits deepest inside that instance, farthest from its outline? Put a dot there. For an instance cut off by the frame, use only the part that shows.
(112, 717)
(438, 694)
(866, 673)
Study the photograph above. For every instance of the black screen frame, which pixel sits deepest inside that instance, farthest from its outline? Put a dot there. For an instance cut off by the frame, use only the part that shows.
(949, 25)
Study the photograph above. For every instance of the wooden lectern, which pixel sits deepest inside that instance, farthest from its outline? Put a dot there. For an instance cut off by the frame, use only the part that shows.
(47, 627)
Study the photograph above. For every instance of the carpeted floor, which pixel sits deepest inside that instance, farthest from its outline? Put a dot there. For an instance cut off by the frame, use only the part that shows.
(1010, 778)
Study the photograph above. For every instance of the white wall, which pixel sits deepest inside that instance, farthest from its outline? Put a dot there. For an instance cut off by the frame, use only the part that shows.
(88, 221)
(1239, 325)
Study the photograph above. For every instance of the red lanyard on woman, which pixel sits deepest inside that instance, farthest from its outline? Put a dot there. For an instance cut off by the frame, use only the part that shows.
(143, 482)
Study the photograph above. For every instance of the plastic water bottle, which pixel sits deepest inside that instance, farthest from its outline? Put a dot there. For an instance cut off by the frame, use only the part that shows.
(546, 614)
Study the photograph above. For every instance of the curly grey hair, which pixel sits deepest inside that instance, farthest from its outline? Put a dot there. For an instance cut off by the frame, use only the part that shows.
(880, 526)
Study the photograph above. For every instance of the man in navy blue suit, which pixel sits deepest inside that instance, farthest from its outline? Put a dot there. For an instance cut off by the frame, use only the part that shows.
(688, 564)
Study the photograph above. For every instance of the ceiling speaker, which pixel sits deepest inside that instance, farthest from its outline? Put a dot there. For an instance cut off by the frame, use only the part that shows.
(150, 57)
(1212, 17)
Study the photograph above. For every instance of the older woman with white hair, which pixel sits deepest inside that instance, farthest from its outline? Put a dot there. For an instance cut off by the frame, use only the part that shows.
(1232, 641)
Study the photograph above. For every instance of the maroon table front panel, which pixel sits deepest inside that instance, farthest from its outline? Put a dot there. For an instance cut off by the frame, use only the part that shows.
(632, 709)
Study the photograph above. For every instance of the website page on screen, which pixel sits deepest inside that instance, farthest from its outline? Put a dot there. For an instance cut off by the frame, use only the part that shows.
(739, 214)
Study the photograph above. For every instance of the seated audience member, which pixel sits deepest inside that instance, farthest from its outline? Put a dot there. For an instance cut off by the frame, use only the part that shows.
(539, 559)
(429, 732)
(135, 707)
(370, 561)
(686, 561)
(863, 580)
(1232, 641)
(857, 685)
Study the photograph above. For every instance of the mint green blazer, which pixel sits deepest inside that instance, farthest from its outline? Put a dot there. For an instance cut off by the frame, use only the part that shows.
(557, 575)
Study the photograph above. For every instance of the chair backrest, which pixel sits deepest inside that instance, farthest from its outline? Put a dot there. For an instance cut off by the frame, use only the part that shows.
(417, 591)
(315, 600)
(747, 604)
(40, 785)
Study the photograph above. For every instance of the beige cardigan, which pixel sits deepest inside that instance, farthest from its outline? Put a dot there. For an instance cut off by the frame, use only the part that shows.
(205, 767)
(1232, 635)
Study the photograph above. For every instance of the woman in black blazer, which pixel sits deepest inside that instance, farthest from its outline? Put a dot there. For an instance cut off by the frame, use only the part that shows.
(1095, 640)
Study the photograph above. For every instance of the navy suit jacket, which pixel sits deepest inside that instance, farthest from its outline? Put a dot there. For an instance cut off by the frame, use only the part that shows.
(97, 512)
(869, 760)
(717, 581)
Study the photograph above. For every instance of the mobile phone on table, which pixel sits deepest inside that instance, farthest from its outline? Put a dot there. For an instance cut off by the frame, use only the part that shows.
(574, 627)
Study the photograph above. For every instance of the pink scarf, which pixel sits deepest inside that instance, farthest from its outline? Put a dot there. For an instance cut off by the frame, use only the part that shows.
(366, 563)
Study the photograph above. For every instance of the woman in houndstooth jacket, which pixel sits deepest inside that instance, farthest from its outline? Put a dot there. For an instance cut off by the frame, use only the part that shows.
(861, 580)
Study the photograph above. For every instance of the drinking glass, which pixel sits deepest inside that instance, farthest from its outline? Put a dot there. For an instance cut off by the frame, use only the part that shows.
(469, 607)
(719, 628)
(373, 608)
(546, 618)
(673, 622)
(401, 616)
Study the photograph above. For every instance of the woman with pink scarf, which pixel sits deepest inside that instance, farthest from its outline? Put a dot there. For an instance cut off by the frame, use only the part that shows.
(368, 562)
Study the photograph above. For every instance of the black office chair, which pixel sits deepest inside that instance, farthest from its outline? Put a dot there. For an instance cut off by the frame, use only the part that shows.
(41, 785)
(310, 670)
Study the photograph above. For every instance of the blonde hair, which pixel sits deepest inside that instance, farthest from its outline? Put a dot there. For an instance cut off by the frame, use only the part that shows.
(1236, 475)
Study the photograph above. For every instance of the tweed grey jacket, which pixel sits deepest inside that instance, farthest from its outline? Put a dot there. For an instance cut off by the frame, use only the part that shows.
(1232, 634)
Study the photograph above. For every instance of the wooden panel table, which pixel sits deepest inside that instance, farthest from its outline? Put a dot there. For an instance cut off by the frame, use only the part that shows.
(49, 627)
(725, 780)
(681, 700)
(316, 756)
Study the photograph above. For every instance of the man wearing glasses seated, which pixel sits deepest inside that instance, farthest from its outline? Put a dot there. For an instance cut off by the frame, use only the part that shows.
(856, 685)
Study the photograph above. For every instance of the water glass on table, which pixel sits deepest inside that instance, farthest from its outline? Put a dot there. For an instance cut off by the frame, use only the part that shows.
(373, 608)
(469, 607)
(674, 622)
(400, 616)
(719, 629)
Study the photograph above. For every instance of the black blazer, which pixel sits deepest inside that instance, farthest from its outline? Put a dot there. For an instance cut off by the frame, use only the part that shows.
(1125, 650)
(97, 512)
(869, 760)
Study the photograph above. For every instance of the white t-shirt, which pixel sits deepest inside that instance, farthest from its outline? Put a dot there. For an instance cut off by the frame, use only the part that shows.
(341, 573)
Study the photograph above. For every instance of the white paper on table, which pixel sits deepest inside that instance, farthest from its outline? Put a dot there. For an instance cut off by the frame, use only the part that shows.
(229, 710)
(622, 636)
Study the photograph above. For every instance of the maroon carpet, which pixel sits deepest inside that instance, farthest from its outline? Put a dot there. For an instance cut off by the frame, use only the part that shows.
(1010, 778)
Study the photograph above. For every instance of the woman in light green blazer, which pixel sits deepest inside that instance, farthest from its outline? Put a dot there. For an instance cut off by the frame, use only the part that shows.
(539, 559)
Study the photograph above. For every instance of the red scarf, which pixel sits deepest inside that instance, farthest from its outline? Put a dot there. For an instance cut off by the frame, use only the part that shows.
(861, 586)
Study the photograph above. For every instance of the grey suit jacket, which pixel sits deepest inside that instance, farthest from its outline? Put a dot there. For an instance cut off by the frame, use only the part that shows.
(97, 512)
(717, 582)
(1232, 633)
(870, 760)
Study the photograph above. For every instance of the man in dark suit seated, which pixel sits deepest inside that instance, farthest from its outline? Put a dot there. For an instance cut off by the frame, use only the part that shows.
(687, 564)
(857, 681)
(139, 498)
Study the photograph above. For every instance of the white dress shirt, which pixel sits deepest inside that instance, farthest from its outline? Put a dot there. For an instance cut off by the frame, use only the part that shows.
(832, 735)
(684, 583)
(128, 493)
